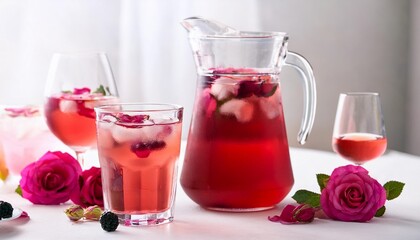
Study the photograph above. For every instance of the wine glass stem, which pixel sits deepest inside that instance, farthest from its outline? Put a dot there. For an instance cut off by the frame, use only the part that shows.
(81, 158)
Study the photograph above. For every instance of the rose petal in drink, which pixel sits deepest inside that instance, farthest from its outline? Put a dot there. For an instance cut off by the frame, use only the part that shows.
(267, 89)
(82, 110)
(68, 106)
(224, 88)
(247, 88)
(241, 109)
(207, 103)
(78, 91)
(125, 118)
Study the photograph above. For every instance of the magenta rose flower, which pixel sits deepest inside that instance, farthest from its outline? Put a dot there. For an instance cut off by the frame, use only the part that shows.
(352, 195)
(50, 180)
(89, 190)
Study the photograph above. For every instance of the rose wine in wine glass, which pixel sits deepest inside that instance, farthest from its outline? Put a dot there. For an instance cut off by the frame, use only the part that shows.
(76, 84)
(359, 130)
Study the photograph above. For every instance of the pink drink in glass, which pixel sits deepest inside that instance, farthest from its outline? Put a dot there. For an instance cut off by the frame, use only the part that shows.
(71, 118)
(25, 137)
(360, 147)
(237, 156)
(138, 152)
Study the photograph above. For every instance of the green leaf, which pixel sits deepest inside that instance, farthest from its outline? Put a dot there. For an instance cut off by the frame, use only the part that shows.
(19, 190)
(380, 212)
(101, 90)
(393, 189)
(307, 197)
(322, 180)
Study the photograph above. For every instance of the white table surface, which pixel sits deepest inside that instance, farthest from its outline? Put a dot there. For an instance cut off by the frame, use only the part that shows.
(401, 221)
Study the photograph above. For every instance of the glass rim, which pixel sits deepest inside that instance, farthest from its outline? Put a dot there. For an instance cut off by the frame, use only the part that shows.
(244, 35)
(111, 107)
(359, 94)
(80, 53)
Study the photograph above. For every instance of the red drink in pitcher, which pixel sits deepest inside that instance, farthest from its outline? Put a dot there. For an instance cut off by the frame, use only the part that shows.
(237, 156)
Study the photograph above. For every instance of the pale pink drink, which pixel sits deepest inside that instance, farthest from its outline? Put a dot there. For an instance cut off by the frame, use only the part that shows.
(25, 138)
(138, 146)
(71, 117)
(76, 83)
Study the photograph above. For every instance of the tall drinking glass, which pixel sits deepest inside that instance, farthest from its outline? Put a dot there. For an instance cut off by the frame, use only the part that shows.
(76, 84)
(359, 129)
(138, 146)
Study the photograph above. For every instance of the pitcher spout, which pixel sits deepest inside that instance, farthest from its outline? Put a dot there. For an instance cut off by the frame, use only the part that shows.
(206, 27)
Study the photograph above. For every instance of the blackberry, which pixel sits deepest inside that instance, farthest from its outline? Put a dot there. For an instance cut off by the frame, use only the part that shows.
(6, 210)
(109, 221)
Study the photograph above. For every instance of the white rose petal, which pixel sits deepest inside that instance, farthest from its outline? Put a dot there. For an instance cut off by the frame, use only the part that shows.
(241, 109)
(224, 88)
(68, 106)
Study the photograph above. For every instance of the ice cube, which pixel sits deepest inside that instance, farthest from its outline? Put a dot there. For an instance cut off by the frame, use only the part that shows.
(270, 106)
(68, 106)
(241, 109)
(123, 134)
(224, 88)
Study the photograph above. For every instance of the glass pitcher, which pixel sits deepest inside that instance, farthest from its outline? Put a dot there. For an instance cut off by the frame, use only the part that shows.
(237, 154)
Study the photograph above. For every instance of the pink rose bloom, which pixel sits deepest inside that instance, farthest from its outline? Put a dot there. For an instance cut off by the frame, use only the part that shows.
(352, 195)
(51, 179)
(89, 191)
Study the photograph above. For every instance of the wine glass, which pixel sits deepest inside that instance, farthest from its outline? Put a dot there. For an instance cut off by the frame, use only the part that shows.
(359, 130)
(76, 83)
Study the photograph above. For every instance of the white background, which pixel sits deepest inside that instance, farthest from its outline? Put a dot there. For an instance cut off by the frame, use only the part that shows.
(352, 45)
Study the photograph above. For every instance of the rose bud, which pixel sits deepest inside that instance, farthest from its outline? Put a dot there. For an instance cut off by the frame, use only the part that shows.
(74, 212)
(295, 214)
(93, 213)
(304, 213)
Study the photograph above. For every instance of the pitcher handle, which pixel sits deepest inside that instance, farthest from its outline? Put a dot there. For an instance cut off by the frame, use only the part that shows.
(309, 94)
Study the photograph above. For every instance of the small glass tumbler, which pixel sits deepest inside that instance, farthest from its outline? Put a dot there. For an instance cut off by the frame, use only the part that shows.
(24, 137)
(138, 147)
